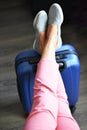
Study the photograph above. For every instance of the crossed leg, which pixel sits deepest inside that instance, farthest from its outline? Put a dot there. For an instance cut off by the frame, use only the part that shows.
(50, 110)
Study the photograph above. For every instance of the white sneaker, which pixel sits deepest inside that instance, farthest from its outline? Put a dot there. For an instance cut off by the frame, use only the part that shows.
(39, 24)
(56, 17)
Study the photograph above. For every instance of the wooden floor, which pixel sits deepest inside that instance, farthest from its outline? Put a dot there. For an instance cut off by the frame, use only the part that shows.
(16, 35)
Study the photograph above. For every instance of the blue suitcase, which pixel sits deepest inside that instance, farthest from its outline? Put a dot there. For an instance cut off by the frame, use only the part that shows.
(26, 66)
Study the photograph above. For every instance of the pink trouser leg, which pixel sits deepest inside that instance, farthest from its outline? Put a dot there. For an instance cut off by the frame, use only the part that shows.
(44, 111)
(65, 120)
(50, 110)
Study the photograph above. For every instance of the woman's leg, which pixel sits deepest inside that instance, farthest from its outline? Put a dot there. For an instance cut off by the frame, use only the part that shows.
(50, 105)
(44, 111)
(65, 120)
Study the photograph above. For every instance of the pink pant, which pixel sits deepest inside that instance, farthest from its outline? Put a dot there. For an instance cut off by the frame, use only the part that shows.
(50, 110)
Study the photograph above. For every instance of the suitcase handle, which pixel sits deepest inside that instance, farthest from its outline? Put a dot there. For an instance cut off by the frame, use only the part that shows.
(61, 65)
(35, 60)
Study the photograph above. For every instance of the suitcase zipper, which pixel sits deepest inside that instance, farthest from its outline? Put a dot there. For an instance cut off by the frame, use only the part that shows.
(62, 54)
(35, 59)
(31, 60)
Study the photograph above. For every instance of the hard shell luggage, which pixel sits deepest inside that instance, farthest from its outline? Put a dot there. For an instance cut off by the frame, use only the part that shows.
(26, 66)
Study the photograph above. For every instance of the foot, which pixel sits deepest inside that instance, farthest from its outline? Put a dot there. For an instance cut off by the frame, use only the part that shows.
(39, 24)
(56, 17)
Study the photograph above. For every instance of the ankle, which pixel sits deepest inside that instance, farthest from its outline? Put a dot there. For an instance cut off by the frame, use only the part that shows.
(52, 35)
(42, 41)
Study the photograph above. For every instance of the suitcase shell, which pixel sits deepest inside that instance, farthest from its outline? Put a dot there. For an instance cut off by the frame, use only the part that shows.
(69, 65)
